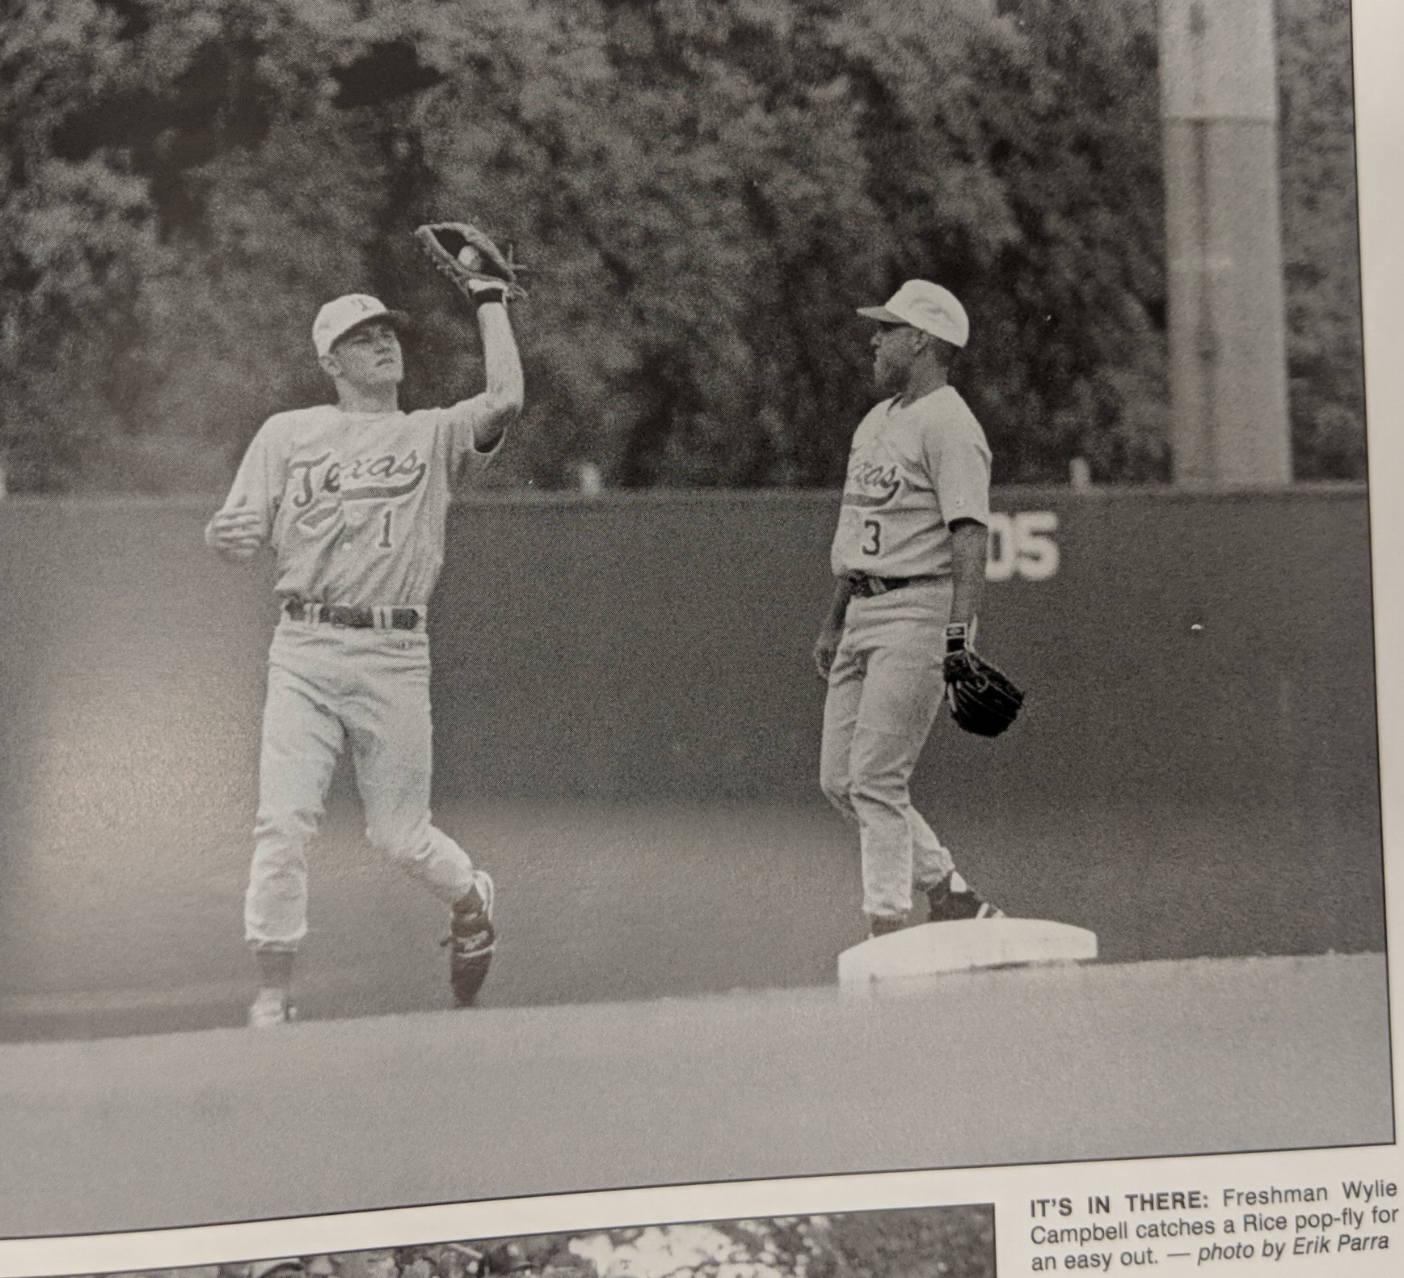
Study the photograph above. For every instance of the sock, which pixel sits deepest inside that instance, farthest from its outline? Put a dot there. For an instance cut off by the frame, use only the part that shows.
(275, 968)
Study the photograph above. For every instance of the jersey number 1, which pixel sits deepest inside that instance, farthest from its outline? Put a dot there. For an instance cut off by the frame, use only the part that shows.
(385, 528)
(873, 546)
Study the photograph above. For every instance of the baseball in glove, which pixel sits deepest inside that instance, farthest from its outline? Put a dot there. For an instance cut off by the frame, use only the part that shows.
(469, 259)
(982, 699)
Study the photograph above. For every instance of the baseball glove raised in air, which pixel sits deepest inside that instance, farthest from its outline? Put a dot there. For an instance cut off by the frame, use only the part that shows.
(982, 699)
(469, 259)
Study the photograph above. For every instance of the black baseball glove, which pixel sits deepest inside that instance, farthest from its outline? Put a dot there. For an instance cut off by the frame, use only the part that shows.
(981, 698)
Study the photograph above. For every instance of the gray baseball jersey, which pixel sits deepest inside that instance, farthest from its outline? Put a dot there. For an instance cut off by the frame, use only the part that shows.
(912, 470)
(354, 503)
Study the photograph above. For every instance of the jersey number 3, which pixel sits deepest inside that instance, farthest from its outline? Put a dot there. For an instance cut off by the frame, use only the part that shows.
(872, 545)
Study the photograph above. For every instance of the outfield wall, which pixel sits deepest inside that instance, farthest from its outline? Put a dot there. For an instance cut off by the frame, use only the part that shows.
(645, 645)
(651, 645)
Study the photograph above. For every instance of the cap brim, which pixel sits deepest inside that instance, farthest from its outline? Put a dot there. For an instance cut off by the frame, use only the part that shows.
(881, 314)
(399, 319)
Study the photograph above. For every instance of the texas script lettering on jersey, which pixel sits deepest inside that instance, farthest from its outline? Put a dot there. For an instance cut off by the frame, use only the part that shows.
(394, 477)
(871, 483)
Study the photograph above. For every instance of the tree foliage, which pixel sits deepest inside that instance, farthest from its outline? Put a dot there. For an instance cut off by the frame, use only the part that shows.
(934, 1242)
(1321, 249)
(938, 1242)
(704, 189)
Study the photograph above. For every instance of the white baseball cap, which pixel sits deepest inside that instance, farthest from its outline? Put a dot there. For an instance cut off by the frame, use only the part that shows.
(339, 317)
(926, 306)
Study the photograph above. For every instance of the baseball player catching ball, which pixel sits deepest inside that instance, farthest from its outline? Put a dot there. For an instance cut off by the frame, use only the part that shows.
(909, 558)
(352, 498)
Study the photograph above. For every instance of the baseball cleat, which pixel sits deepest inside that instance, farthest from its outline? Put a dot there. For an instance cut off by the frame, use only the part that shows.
(952, 899)
(270, 1008)
(472, 939)
(885, 925)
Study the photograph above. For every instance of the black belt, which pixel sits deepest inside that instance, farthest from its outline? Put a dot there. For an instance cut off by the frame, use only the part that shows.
(353, 617)
(862, 586)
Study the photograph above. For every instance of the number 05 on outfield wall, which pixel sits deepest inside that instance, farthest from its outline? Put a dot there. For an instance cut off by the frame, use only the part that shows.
(1022, 544)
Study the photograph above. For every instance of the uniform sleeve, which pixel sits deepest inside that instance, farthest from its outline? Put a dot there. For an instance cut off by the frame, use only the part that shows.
(258, 484)
(458, 434)
(958, 462)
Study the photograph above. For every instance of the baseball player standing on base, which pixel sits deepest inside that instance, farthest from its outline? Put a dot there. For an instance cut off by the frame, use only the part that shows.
(352, 497)
(909, 558)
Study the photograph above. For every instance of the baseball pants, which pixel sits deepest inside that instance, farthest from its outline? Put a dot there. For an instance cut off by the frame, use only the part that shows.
(329, 687)
(885, 687)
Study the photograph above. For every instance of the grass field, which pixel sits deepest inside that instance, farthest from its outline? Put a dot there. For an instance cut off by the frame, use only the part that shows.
(631, 901)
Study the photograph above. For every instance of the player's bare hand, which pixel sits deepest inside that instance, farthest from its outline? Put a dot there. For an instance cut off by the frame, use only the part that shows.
(825, 650)
(235, 534)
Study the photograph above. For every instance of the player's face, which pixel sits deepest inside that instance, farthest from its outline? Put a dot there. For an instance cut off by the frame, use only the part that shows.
(370, 355)
(894, 349)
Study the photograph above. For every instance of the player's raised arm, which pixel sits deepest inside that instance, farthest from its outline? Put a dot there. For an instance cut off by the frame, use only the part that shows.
(503, 397)
(470, 260)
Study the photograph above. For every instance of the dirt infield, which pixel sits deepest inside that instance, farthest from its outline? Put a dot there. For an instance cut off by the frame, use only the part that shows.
(1017, 1065)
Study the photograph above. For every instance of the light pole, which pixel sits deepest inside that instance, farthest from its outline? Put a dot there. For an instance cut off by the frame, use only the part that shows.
(1228, 359)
